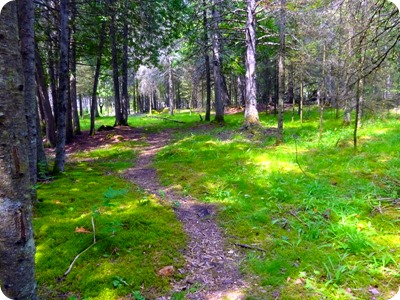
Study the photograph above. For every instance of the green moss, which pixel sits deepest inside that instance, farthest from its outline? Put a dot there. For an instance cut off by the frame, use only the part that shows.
(322, 226)
(133, 240)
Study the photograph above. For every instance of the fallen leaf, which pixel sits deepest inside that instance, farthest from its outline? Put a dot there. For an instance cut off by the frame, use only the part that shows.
(299, 281)
(166, 271)
(81, 230)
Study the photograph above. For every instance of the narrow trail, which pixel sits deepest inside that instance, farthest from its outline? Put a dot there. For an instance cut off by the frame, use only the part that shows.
(211, 265)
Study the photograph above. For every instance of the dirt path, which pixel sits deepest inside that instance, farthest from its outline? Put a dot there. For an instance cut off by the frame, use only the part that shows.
(211, 265)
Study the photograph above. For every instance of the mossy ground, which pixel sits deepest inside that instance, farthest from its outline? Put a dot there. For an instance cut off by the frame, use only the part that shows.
(329, 229)
(136, 236)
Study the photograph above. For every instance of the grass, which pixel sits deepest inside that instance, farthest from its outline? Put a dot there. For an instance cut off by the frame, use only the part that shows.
(150, 123)
(328, 232)
(136, 236)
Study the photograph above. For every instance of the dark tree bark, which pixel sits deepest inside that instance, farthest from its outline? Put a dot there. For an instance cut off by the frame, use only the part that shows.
(93, 105)
(73, 92)
(43, 95)
(207, 64)
(219, 105)
(281, 70)
(17, 247)
(125, 94)
(114, 54)
(52, 62)
(26, 19)
(251, 113)
(62, 89)
(69, 127)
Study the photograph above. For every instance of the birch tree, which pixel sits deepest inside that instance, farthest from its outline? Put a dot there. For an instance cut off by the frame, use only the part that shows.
(251, 112)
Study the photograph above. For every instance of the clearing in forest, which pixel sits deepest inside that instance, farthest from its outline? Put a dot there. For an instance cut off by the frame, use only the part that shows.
(232, 213)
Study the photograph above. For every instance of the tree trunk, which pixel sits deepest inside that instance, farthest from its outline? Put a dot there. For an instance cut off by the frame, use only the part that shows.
(114, 54)
(301, 99)
(125, 94)
(281, 71)
(251, 112)
(96, 79)
(17, 247)
(42, 89)
(62, 90)
(207, 64)
(170, 88)
(219, 105)
(80, 106)
(26, 21)
(74, 102)
(322, 95)
(69, 127)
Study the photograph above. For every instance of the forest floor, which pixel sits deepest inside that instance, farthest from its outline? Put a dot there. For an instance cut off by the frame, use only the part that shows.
(211, 265)
(196, 210)
(211, 270)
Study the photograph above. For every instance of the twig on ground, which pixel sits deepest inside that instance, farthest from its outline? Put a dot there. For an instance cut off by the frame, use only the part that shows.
(300, 220)
(76, 257)
(249, 247)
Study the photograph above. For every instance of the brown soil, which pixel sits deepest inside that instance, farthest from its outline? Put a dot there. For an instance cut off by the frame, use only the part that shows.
(211, 264)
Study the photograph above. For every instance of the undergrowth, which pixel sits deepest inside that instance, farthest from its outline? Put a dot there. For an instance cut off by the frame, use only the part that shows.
(135, 235)
(326, 216)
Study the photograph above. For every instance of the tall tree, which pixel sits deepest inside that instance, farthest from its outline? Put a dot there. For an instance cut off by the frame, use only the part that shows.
(93, 105)
(26, 19)
(17, 248)
(73, 92)
(59, 162)
(114, 54)
(251, 112)
(219, 105)
(281, 70)
(170, 86)
(206, 63)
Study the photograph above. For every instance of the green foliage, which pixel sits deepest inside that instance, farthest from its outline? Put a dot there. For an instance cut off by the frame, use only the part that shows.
(323, 229)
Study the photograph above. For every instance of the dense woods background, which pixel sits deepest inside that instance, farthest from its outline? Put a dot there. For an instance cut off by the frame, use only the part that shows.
(140, 57)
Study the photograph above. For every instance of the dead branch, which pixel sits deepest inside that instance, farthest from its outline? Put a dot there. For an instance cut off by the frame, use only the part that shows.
(249, 247)
(76, 257)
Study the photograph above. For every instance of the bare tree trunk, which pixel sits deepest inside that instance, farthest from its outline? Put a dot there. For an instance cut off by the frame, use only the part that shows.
(17, 247)
(114, 54)
(219, 105)
(74, 102)
(125, 94)
(322, 96)
(69, 127)
(27, 45)
(359, 94)
(62, 90)
(170, 88)
(44, 96)
(251, 112)
(301, 99)
(281, 71)
(207, 64)
(96, 79)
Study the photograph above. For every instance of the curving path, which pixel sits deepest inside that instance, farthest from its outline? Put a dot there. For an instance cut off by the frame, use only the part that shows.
(211, 265)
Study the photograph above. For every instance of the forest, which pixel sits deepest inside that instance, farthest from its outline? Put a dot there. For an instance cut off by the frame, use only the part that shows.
(199, 149)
